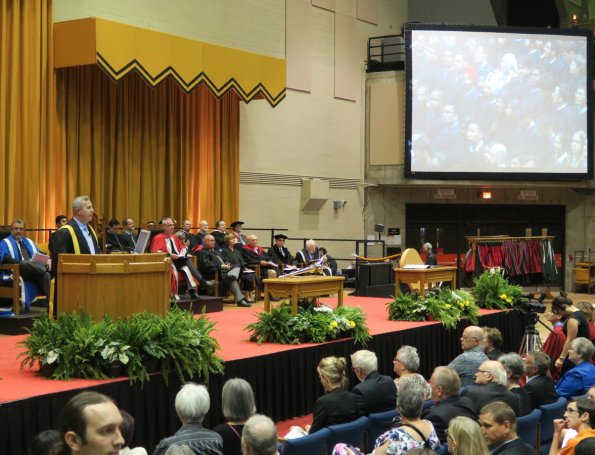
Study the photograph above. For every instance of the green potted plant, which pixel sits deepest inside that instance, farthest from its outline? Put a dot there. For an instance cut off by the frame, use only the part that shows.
(491, 290)
(42, 346)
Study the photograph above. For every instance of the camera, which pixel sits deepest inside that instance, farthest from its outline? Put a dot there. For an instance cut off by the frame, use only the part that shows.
(534, 303)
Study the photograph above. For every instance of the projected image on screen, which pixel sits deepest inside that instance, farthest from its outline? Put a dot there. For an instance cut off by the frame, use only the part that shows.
(499, 103)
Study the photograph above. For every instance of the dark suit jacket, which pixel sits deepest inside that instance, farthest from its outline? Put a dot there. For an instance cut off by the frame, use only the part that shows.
(208, 263)
(279, 258)
(377, 393)
(337, 406)
(127, 241)
(219, 238)
(541, 390)
(442, 413)
(481, 395)
(63, 243)
(524, 401)
(515, 447)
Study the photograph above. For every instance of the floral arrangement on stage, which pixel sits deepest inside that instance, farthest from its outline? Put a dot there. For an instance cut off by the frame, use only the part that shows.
(313, 324)
(439, 304)
(75, 346)
(493, 291)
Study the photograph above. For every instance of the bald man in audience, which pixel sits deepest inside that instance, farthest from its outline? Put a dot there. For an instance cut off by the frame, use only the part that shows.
(203, 230)
(491, 381)
(446, 389)
(190, 237)
(259, 436)
(310, 255)
(466, 364)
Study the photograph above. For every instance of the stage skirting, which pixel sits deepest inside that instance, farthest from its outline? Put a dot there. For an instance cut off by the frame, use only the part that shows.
(284, 378)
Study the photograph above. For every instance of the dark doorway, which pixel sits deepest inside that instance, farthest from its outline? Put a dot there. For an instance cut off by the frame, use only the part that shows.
(446, 226)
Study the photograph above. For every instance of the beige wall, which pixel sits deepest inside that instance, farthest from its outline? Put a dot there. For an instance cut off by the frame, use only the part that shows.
(309, 134)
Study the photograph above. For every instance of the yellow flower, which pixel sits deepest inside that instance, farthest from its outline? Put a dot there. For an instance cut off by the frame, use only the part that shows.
(333, 324)
(503, 296)
(508, 299)
(447, 306)
(351, 324)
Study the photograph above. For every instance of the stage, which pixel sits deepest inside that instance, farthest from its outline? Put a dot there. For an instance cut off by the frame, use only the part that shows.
(283, 377)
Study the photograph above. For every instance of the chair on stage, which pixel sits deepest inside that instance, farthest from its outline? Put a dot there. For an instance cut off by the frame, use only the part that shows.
(549, 412)
(349, 433)
(12, 290)
(307, 445)
(379, 423)
(528, 427)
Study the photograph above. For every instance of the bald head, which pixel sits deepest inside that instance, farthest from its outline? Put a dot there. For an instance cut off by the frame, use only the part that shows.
(491, 371)
(310, 246)
(259, 436)
(472, 337)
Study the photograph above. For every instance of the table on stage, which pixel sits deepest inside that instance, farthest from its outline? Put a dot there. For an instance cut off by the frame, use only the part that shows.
(302, 286)
(423, 276)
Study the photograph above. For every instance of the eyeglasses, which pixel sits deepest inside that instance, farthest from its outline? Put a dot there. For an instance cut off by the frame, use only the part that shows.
(483, 371)
(466, 337)
(397, 360)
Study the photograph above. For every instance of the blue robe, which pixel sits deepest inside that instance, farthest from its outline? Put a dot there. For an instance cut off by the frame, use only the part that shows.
(9, 247)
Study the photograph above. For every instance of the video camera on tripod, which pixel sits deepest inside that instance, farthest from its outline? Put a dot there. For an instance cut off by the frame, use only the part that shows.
(533, 302)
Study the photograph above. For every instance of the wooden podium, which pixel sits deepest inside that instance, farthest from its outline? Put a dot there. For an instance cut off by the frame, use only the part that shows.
(115, 284)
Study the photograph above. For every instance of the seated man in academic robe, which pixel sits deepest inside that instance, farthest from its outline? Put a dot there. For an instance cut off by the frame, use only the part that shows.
(128, 237)
(167, 242)
(112, 240)
(18, 249)
(255, 255)
(311, 255)
(279, 253)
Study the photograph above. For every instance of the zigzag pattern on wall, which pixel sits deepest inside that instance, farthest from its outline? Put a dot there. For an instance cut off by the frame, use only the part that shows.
(134, 65)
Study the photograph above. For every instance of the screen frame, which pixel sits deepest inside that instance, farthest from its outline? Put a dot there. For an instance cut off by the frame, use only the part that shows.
(497, 176)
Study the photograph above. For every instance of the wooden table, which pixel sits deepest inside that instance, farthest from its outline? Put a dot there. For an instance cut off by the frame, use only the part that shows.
(302, 286)
(423, 276)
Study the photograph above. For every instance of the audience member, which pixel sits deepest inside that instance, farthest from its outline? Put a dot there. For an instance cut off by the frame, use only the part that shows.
(465, 437)
(330, 261)
(591, 393)
(254, 254)
(236, 227)
(430, 257)
(588, 309)
(466, 364)
(61, 220)
(279, 253)
(375, 392)
(190, 237)
(581, 378)
(406, 365)
(580, 417)
(211, 264)
(219, 233)
(514, 366)
(192, 404)
(585, 447)
(539, 386)
(127, 430)
(413, 432)
(128, 237)
(203, 230)
(576, 324)
(237, 404)
(176, 449)
(492, 342)
(167, 242)
(112, 238)
(498, 423)
(259, 436)
(18, 249)
(44, 442)
(234, 258)
(89, 423)
(448, 403)
(491, 386)
(338, 405)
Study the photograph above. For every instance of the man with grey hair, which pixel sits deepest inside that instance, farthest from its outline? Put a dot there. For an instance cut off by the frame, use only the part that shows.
(446, 388)
(375, 392)
(466, 364)
(310, 255)
(192, 404)
(18, 249)
(259, 436)
(491, 382)
(190, 237)
(430, 257)
(539, 386)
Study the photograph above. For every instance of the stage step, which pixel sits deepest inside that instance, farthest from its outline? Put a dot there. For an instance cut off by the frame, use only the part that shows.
(211, 304)
(18, 324)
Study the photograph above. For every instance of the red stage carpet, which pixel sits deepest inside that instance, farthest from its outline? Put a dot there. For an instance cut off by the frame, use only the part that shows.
(17, 384)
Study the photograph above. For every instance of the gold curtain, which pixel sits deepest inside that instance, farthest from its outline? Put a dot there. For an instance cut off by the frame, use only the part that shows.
(26, 112)
(147, 152)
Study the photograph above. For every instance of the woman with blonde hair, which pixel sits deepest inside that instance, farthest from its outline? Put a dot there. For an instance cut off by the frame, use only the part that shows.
(465, 437)
(337, 405)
